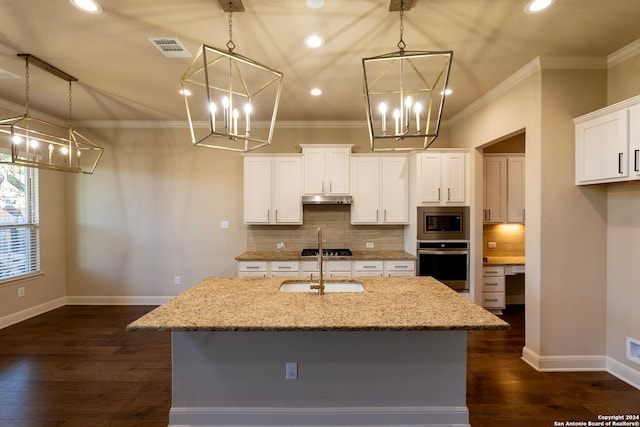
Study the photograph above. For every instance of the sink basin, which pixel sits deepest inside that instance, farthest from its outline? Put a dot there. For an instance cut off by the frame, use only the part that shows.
(329, 286)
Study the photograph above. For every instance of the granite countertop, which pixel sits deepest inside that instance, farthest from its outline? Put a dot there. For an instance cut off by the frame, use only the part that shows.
(504, 260)
(295, 256)
(256, 304)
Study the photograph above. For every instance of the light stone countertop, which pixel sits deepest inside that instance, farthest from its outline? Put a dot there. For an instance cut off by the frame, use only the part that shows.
(256, 304)
(295, 256)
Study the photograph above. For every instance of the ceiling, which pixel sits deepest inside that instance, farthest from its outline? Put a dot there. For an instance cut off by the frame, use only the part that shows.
(122, 76)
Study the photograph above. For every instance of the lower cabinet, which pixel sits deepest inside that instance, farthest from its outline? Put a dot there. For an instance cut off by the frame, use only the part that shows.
(493, 289)
(253, 268)
(331, 268)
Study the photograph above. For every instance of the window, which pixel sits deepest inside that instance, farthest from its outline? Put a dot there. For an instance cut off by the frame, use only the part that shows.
(19, 224)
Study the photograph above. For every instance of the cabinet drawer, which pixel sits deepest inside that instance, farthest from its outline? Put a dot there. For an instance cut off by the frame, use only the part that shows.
(310, 266)
(493, 271)
(252, 266)
(493, 284)
(368, 265)
(338, 266)
(284, 266)
(400, 265)
(493, 299)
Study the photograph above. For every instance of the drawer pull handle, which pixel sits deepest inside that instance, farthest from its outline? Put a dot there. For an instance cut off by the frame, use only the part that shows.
(283, 267)
(368, 266)
(491, 299)
(400, 266)
(491, 284)
(252, 267)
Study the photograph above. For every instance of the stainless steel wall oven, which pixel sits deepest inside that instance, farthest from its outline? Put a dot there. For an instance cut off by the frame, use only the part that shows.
(443, 245)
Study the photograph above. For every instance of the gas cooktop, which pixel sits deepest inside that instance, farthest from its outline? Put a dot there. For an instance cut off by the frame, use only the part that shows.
(326, 252)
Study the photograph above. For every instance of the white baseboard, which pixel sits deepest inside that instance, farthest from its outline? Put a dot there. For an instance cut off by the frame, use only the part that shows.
(564, 363)
(582, 364)
(117, 300)
(625, 373)
(31, 312)
(426, 416)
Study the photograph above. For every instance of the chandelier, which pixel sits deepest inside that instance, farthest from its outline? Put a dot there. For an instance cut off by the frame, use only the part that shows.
(29, 141)
(405, 93)
(231, 100)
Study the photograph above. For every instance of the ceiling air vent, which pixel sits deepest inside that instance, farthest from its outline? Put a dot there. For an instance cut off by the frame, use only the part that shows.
(170, 47)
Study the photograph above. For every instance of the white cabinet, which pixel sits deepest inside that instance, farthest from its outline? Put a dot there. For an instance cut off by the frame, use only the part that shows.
(337, 268)
(495, 189)
(253, 268)
(272, 191)
(373, 268)
(380, 189)
(399, 268)
(504, 186)
(608, 144)
(442, 178)
(326, 168)
(493, 288)
(284, 268)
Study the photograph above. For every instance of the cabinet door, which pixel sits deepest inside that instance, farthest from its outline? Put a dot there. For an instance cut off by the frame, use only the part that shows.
(287, 198)
(430, 178)
(365, 190)
(314, 170)
(495, 189)
(257, 190)
(395, 190)
(515, 189)
(454, 168)
(634, 142)
(601, 148)
(337, 171)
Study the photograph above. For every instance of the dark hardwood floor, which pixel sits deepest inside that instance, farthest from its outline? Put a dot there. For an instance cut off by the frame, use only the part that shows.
(77, 366)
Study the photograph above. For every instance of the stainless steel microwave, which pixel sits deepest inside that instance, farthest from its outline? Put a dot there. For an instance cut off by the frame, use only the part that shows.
(443, 223)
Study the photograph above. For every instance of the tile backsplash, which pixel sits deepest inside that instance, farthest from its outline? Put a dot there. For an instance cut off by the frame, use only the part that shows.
(337, 232)
(509, 239)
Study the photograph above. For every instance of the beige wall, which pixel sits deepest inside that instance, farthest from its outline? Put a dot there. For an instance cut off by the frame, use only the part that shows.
(623, 233)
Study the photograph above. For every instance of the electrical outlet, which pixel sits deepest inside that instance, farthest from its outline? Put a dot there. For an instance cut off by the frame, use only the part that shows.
(369, 245)
(491, 245)
(176, 280)
(20, 292)
(291, 371)
(224, 224)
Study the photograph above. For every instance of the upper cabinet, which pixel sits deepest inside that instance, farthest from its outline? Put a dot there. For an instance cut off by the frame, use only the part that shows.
(326, 168)
(504, 188)
(442, 177)
(272, 190)
(380, 189)
(608, 144)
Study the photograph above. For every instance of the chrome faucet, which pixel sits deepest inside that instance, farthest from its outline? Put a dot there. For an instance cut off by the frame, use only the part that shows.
(320, 285)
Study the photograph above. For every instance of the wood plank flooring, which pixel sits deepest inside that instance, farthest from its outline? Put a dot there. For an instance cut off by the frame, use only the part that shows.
(77, 366)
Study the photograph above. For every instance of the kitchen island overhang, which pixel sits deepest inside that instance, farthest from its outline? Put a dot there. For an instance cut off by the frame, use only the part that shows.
(394, 354)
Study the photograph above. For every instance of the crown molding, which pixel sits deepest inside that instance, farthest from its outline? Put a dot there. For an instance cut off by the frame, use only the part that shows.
(627, 52)
(183, 124)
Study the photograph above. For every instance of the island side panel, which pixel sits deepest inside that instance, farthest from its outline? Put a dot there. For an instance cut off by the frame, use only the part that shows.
(403, 377)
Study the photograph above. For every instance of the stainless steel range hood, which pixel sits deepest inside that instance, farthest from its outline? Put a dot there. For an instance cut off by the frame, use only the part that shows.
(326, 200)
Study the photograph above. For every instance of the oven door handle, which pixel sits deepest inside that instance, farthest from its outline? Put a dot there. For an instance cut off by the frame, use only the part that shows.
(441, 252)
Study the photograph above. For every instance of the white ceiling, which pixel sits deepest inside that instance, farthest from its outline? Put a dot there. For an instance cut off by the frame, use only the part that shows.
(122, 76)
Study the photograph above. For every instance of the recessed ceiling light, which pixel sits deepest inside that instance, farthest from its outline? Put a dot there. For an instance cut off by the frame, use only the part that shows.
(315, 91)
(315, 4)
(313, 41)
(535, 6)
(91, 6)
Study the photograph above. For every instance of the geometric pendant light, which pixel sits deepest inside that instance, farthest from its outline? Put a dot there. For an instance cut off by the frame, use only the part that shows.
(404, 94)
(231, 100)
(29, 141)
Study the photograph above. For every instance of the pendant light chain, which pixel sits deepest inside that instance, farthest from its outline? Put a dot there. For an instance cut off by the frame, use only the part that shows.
(26, 90)
(401, 43)
(69, 103)
(230, 44)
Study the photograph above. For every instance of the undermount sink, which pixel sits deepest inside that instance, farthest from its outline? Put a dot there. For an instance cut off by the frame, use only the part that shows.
(329, 286)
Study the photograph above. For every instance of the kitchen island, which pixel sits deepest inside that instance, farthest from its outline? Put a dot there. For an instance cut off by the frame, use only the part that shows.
(394, 354)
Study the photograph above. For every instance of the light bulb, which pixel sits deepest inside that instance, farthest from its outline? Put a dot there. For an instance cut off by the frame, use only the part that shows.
(64, 151)
(33, 143)
(17, 139)
(213, 108)
(247, 108)
(382, 107)
(408, 102)
(225, 102)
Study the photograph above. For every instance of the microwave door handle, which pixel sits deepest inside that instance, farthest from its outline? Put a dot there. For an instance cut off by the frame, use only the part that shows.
(445, 252)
